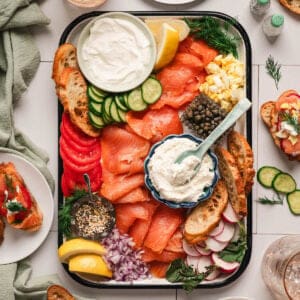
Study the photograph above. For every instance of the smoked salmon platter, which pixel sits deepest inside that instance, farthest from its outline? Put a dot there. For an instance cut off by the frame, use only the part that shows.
(129, 84)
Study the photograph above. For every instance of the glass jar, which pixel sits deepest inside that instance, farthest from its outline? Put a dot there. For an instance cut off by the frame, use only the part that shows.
(272, 25)
(281, 268)
(259, 7)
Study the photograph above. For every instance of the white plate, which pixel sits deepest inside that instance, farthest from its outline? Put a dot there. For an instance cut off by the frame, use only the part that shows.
(19, 244)
(175, 1)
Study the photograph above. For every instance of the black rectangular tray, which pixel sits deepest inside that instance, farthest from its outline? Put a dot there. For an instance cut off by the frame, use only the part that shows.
(76, 25)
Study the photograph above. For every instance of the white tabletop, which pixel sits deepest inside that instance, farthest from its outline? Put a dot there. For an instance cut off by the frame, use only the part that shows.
(36, 115)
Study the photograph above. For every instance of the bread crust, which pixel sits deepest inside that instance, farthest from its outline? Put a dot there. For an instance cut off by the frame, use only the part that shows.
(243, 154)
(233, 180)
(56, 291)
(206, 216)
(292, 5)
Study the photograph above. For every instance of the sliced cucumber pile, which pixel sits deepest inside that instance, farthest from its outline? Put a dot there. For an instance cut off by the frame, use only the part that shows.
(293, 200)
(106, 108)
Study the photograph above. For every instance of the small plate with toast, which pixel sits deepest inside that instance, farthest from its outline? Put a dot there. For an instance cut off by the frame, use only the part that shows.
(22, 235)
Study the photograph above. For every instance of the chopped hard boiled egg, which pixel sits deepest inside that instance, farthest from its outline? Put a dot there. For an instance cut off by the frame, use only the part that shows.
(225, 81)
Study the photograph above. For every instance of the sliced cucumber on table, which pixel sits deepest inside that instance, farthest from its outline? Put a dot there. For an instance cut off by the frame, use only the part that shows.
(151, 90)
(284, 183)
(293, 200)
(266, 175)
(135, 100)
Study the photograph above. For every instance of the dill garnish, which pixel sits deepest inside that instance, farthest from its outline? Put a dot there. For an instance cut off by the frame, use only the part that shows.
(273, 69)
(215, 34)
(293, 121)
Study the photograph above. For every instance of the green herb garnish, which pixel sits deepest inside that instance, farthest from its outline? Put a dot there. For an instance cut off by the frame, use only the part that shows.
(14, 206)
(293, 121)
(64, 213)
(215, 34)
(178, 271)
(9, 183)
(274, 201)
(273, 69)
(236, 250)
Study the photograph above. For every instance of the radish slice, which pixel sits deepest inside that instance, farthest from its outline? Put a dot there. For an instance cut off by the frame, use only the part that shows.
(213, 275)
(227, 234)
(215, 245)
(203, 263)
(226, 267)
(192, 261)
(229, 214)
(218, 229)
(201, 250)
(189, 249)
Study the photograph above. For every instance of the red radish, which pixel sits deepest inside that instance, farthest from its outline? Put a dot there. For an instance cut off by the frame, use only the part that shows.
(192, 261)
(229, 214)
(226, 267)
(203, 263)
(215, 245)
(227, 234)
(189, 249)
(218, 229)
(213, 275)
(202, 250)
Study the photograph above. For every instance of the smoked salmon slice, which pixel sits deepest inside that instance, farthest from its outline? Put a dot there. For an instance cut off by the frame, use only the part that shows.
(154, 125)
(117, 186)
(165, 256)
(126, 214)
(137, 195)
(175, 242)
(164, 223)
(139, 229)
(158, 269)
(123, 151)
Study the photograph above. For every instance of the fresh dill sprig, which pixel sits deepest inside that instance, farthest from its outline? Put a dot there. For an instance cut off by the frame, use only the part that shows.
(293, 121)
(274, 201)
(273, 69)
(215, 34)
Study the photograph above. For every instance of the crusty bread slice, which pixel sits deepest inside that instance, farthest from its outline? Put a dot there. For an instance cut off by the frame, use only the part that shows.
(55, 292)
(242, 152)
(65, 57)
(233, 180)
(266, 112)
(73, 96)
(2, 227)
(206, 216)
(292, 5)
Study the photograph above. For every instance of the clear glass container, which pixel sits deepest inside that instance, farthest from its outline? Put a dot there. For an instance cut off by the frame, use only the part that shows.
(259, 7)
(272, 25)
(281, 268)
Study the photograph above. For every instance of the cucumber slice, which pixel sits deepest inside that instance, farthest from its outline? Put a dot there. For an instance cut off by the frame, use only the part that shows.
(106, 109)
(151, 90)
(96, 121)
(113, 110)
(119, 99)
(135, 100)
(95, 108)
(293, 200)
(94, 97)
(284, 183)
(266, 175)
(98, 92)
(122, 115)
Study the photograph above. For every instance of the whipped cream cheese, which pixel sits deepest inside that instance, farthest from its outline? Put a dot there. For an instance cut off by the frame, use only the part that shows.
(171, 180)
(116, 52)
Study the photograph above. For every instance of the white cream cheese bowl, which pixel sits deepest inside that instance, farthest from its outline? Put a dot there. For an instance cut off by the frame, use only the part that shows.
(204, 185)
(116, 52)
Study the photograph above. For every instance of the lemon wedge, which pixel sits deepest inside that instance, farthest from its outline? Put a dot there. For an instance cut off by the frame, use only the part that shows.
(167, 46)
(79, 246)
(155, 25)
(89, 264)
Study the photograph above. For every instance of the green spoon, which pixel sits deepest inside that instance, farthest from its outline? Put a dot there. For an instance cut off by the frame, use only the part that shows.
(239, 109)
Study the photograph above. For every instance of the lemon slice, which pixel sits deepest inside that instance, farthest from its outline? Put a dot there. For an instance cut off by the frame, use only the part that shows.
(79, 246)
(167, 46)
(155, 25)
(89, 264)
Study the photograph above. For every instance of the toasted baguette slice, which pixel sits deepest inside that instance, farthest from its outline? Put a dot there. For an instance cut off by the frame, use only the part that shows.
(34, 219)
(2, 227)
(292, 5)
(266, 112)
(206, 216)
(242, 152)
(65, 57)
(55, 292)
(73, 96)
(233, 180)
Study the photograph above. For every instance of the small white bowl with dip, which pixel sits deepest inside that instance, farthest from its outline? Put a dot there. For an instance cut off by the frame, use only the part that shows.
(116, 52)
